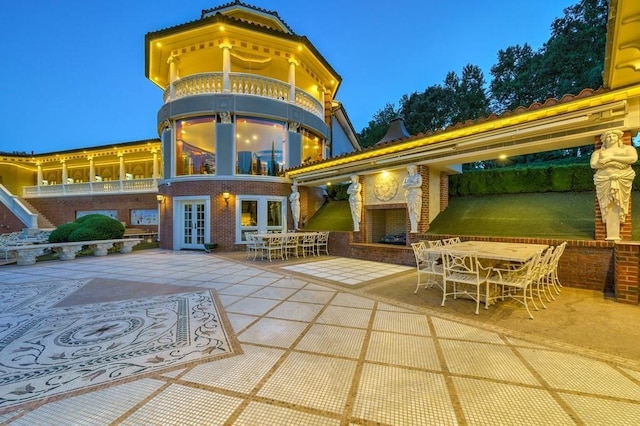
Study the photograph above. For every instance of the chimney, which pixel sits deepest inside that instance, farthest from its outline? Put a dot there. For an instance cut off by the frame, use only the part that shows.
(395, 131)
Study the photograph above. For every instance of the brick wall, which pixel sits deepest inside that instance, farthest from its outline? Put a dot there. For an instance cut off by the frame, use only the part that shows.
(62, 210)
(8, 222)
(223, 216)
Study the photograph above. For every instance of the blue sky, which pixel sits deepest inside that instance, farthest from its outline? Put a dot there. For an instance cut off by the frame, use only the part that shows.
(73, 71)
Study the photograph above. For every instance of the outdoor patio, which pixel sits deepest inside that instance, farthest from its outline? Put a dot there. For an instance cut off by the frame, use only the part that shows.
(162, 337)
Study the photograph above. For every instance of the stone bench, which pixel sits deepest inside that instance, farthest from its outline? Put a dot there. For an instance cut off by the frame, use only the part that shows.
(27, 253)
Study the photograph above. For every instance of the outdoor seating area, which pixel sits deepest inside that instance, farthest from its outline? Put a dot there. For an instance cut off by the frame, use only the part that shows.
(285, 245)
(12, 239)
(525, 273)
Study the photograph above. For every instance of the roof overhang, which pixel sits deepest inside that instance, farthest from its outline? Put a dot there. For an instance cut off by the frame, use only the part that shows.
(564, 125)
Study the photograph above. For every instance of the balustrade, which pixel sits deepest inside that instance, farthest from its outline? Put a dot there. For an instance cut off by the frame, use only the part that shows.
(86, 188)
(242, 84)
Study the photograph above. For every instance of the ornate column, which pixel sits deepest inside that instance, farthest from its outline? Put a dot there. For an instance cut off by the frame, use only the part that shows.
(64, 171)
(39, 165)
(292, 79)
(92, 170)
(155, 163)
(226, 65)
(122, 171)
(173, 62)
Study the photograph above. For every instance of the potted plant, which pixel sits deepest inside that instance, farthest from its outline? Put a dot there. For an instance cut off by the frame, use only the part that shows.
(209, 247)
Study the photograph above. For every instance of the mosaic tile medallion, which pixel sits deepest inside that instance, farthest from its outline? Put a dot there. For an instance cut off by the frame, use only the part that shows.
(69, 349)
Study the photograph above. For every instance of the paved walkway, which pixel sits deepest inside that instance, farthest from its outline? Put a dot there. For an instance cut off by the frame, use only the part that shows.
(283, 347)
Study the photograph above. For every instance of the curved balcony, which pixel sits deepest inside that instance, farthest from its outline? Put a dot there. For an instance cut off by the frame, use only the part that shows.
(242, 84)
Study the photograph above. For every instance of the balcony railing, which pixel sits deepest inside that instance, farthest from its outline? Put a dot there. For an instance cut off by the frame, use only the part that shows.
(242, 84)
(92, 188)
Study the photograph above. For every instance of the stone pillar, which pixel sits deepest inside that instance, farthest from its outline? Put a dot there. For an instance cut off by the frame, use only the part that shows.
(92, 170)
(155, 164)
(292, 80)
(64, 172)
(39, 174)
(173, 62)
(226, 65)
(122, 171)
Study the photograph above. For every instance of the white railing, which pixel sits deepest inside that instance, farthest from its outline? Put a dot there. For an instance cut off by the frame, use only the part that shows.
(242, 84)
(17, 208)
(92, 188)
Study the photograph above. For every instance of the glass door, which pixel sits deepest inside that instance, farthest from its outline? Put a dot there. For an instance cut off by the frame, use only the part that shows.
(193, 226)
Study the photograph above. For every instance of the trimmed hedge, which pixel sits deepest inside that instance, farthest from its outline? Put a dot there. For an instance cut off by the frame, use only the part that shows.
(555, 178)
(88, 228)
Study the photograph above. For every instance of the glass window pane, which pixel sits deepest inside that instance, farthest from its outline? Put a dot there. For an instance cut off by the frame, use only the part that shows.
(275, 213)
(195, 146)
(311, 147)
(260, 147)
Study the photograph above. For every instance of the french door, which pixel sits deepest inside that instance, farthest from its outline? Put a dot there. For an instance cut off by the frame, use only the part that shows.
(191, 223)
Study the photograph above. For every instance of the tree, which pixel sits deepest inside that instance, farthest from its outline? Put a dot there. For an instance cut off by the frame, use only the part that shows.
(516, 79)
(573, 57)
(571, 60)
(459, 99)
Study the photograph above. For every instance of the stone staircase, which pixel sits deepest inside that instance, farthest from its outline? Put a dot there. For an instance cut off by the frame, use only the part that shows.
(43, 222)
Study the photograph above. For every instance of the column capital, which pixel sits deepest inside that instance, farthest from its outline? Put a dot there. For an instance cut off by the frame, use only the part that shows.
(120, 154)
(225, 45)
(294, 61)
(173, 59)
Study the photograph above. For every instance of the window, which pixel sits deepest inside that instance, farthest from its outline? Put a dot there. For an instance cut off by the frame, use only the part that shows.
(195, 146)
(261, 214)
(311, 147)
(260, 147)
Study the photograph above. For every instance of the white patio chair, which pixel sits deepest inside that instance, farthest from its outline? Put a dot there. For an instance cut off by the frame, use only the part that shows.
(541, 273)
(554, 281)
(255, 245)
(515, 283)
(289, 245)
(307, 244)
(322, 242)
(434, 243)
(427, 263)
(273, 247)
(449, 241)
(463, 270)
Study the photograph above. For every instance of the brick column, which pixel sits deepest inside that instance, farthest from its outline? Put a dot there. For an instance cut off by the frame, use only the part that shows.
(444, 191)
(627, 272)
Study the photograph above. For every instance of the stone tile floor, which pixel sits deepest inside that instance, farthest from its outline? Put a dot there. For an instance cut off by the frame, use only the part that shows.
(316, 351)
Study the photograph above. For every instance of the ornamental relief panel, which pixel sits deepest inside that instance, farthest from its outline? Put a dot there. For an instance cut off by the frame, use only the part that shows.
(385, 187)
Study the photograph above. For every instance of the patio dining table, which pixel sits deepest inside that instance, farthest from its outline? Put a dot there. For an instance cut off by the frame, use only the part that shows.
(489, 250)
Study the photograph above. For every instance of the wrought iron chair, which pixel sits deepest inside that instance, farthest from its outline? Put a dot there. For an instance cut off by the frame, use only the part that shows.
(289, 245)
(428, 264)
(273, 247)
(322, 242)
(449, 241)
(515, 283)
(255, 245)
(462, 271)
(307, 244)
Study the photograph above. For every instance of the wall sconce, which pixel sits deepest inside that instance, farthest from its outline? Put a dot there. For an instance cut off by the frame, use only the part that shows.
(160, 198)
(226, 195)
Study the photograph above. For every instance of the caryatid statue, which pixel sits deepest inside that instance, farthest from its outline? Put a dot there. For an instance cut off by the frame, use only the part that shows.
(355, 201)
(613, 180)
(413, 194)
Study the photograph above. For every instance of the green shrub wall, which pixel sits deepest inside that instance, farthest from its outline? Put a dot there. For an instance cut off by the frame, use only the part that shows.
(557, 178)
